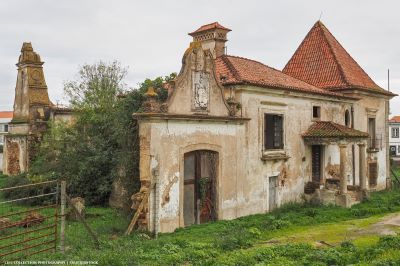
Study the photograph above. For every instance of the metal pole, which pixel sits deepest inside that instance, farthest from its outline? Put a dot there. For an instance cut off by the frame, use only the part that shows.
(156, 206)
(62, 229)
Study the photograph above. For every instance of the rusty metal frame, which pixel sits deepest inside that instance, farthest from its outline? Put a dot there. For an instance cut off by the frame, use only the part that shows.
(20, 241)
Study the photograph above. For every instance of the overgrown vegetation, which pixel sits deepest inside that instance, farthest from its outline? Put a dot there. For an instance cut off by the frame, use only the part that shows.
(101, 144)
(253, 240)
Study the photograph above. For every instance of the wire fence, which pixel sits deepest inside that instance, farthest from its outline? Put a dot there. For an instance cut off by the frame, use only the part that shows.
(28, 220)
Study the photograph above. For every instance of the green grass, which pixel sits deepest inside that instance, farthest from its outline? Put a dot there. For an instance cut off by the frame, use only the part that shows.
(287, 236)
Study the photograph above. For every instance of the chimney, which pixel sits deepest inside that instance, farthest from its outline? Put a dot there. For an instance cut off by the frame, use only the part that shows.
(213, 37)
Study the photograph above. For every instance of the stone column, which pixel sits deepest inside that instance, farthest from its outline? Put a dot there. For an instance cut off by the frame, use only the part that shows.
(343, 161)
(363, 166)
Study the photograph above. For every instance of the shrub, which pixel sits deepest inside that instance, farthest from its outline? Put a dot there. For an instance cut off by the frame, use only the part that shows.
(389, 242)
(236, 238)
(272, 223)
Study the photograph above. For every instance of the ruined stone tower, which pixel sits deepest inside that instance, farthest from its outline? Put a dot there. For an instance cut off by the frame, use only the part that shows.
(31, 97)
(32, 109)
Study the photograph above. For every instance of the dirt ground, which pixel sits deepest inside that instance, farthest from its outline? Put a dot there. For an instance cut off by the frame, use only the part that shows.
(387, 226)
(358, 230)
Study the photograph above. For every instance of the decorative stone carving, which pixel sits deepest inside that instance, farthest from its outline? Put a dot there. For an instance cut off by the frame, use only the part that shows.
(151, 105)
(201, 91)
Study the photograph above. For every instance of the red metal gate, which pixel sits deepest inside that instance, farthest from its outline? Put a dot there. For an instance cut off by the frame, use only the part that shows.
(28, 220)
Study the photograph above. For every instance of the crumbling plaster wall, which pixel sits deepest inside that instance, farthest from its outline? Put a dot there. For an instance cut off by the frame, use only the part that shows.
(242, 185)
(294, 172)
(170, 140)
(15, 160)
(374, 106)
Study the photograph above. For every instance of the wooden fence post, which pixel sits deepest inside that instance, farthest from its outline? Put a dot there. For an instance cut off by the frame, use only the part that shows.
(63, 201)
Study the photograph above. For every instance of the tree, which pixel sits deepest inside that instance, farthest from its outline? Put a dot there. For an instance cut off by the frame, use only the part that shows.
(101, 147)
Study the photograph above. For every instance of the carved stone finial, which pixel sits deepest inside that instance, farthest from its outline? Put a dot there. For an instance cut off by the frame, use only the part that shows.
(151, 105)
(28, 55)
(151, 92)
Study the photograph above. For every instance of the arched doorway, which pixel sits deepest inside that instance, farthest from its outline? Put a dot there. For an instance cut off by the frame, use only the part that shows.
(199, 194)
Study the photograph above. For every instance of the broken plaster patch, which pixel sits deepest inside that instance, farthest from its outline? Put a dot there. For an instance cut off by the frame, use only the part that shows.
(170, 197)
(181, 129)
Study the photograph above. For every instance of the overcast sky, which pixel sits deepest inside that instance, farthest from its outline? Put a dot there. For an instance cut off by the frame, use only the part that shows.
(150, 37)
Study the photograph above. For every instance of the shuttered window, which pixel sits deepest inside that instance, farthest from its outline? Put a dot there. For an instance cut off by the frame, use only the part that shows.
(273, 131)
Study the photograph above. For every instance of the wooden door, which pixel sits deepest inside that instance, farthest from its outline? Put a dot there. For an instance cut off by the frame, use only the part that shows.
(273, 183)
(199, 187)
(316, 163)
(373, 174)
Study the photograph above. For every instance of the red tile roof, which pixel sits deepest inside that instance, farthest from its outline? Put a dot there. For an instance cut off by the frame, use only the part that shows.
(322, 61)
(328, 129)
(6, 114)
(211, 26)
(395, 119)
(231, 70)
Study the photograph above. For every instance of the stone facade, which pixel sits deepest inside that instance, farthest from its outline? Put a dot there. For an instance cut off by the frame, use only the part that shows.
(32, 111)
(217, 106)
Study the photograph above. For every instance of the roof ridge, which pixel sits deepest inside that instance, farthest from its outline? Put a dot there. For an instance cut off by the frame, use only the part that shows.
(280, 71)
(298, 47)
(342, 76)
(349, 55)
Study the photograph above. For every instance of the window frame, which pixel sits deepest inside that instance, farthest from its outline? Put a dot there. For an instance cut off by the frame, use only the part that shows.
(274, 147)
(347, 118)
(396, 131)
(371, 129)
(318, 109)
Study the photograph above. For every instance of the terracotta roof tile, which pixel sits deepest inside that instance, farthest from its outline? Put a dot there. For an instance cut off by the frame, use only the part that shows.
(211, 26)
(395, 119)
(322, 61)
(328, 129)
(6, 114)
(232, 70)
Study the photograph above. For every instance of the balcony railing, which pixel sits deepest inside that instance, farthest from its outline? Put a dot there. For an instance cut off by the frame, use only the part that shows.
(375, 143)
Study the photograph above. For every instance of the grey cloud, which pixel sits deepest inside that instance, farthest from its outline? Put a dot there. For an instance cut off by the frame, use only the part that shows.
(151, 36)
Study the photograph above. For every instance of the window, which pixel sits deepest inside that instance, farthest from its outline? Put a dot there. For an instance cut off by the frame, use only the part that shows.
(316, 112)
(395, 132)
(398, 149)
(273, 131)
(371, 132)
(347, 118)
(5, 128)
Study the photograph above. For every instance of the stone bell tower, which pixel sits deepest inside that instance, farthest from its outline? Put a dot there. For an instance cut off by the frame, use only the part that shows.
(32, 109)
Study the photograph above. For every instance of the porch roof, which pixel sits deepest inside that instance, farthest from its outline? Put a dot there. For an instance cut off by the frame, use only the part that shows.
(331, 130)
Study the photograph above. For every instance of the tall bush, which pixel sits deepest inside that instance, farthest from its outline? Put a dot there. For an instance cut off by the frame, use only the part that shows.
(103, 139)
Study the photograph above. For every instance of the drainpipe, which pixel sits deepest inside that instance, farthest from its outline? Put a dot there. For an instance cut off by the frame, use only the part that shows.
(353, 148)
(156, 203)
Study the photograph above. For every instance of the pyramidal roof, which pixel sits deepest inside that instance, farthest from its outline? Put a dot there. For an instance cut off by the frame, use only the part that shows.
(323, 62)
(234, 70)
(211, 26)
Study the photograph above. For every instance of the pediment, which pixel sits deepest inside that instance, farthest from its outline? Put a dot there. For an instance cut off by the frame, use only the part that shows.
(196, 90)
